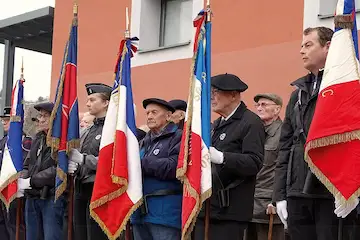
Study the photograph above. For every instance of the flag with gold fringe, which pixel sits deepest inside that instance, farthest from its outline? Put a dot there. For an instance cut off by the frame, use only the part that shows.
(194, 166)
(333, 144)
(64, 121)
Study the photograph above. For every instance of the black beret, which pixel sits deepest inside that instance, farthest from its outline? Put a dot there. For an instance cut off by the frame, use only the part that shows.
(97, 88)
(158, 101)
(47, 106)
(178, 104)
(228, 82)
(6, 112)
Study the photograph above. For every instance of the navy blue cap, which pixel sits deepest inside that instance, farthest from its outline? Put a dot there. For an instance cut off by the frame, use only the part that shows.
(178, 104)
(6, 112)
(97, 88)
(158, 101)
(228, 82)
(47, 106)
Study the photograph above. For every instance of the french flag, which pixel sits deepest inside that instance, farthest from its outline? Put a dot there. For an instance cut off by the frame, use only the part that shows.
(117, 189)
(333, 144)
(12, 162)
(194, 166)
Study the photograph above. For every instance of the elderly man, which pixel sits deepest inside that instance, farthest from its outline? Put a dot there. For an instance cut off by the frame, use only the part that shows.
(86, 121)
(178, 116)
(43, 215)
(268, 107)
(302, 202)
(237, 153)
(160, 215)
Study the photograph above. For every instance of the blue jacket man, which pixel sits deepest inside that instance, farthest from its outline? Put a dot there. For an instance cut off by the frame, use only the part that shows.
(160, 215)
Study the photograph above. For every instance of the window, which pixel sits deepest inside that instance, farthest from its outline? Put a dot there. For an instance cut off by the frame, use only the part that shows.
(328, 7)
(165, 23)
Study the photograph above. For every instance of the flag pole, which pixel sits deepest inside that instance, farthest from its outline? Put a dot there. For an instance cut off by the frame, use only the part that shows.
(71, 177)
(207, 202)
(128, 232)
(18, 200)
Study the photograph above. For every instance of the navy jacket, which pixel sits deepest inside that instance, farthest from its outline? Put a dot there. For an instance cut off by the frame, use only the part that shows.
(159, 158)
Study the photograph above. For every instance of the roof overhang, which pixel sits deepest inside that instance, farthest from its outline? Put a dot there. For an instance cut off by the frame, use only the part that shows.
(32, 30)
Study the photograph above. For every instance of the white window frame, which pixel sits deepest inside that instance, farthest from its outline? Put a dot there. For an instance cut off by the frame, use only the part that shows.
(165, 53)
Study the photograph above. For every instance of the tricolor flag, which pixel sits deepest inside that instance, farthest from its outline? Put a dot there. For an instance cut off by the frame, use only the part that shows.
(118, 183)
(64, 122)
(194, 166)
(333, 144)
(12, 162)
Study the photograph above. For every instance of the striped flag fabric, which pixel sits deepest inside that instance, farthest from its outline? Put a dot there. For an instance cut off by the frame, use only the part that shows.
(63, 134)
(194, 166)
(117, 189)
(333, 145)
(12, 162)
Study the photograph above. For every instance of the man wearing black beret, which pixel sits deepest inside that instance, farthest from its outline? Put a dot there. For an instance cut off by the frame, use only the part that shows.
(178, 116)
(236, 154)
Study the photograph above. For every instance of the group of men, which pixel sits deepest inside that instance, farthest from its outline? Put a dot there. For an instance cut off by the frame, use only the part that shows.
(258, 167)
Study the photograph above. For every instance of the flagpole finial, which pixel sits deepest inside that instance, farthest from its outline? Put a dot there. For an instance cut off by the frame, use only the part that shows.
(75, 8)
(208, 11)
(127, 31)
(22, 68)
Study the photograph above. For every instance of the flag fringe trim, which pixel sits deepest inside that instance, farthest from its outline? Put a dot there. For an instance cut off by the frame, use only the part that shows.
(62, 187)
(180, 172)
(200, 199)
(75, 143)
(3, 186)
(54, 142)
(328, 141)
(15, 119)
(105, 199)
(344, 21)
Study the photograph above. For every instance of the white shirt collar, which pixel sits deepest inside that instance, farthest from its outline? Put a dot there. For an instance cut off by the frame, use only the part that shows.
(232, 113)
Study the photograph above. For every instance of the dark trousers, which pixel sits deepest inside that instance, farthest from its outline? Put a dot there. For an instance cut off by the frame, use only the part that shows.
(150, 231)
(8, 221)
(259, 231)
(85, 227)
(220, 230)
(44, 219)
(314, 219)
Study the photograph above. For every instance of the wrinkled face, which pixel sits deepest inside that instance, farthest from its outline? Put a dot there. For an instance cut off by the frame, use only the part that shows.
(6, 123)
(177, 116)
(87, 121)
(156, 117)
(220, 100)
(267, 109)
(312, 53)
(44, 120)
(96, 104)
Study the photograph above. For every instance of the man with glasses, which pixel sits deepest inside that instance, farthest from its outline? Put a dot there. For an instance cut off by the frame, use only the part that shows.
(8, 219)
(236, 153)
(268, 108)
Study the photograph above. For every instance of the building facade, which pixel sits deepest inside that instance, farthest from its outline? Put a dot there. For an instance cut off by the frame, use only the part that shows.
(257, 40)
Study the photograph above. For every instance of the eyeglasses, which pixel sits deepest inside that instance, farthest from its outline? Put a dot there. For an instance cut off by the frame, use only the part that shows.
(263, 105)
(215, 91)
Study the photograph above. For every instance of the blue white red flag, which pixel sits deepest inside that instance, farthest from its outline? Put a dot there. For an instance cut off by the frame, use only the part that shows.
(117, 189)
(194, 166)
(12, 162)
(333, 144)
(64, 122)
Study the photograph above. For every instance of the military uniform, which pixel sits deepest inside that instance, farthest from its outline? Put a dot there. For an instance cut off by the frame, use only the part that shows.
(8, 219)
(84, 226)
(240, 137)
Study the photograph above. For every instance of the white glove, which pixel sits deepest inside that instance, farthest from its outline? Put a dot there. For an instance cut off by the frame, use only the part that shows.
(72, 167)
(22, 184)
(76, 156)
(344, 209)
(281, 209)
(216, 156)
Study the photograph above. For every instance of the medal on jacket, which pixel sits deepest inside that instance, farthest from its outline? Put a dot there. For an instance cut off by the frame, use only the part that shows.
(98, 137)
(222, 136)
(156, 152)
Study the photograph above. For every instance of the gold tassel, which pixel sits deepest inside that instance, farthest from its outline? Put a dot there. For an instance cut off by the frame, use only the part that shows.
(344, 21)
